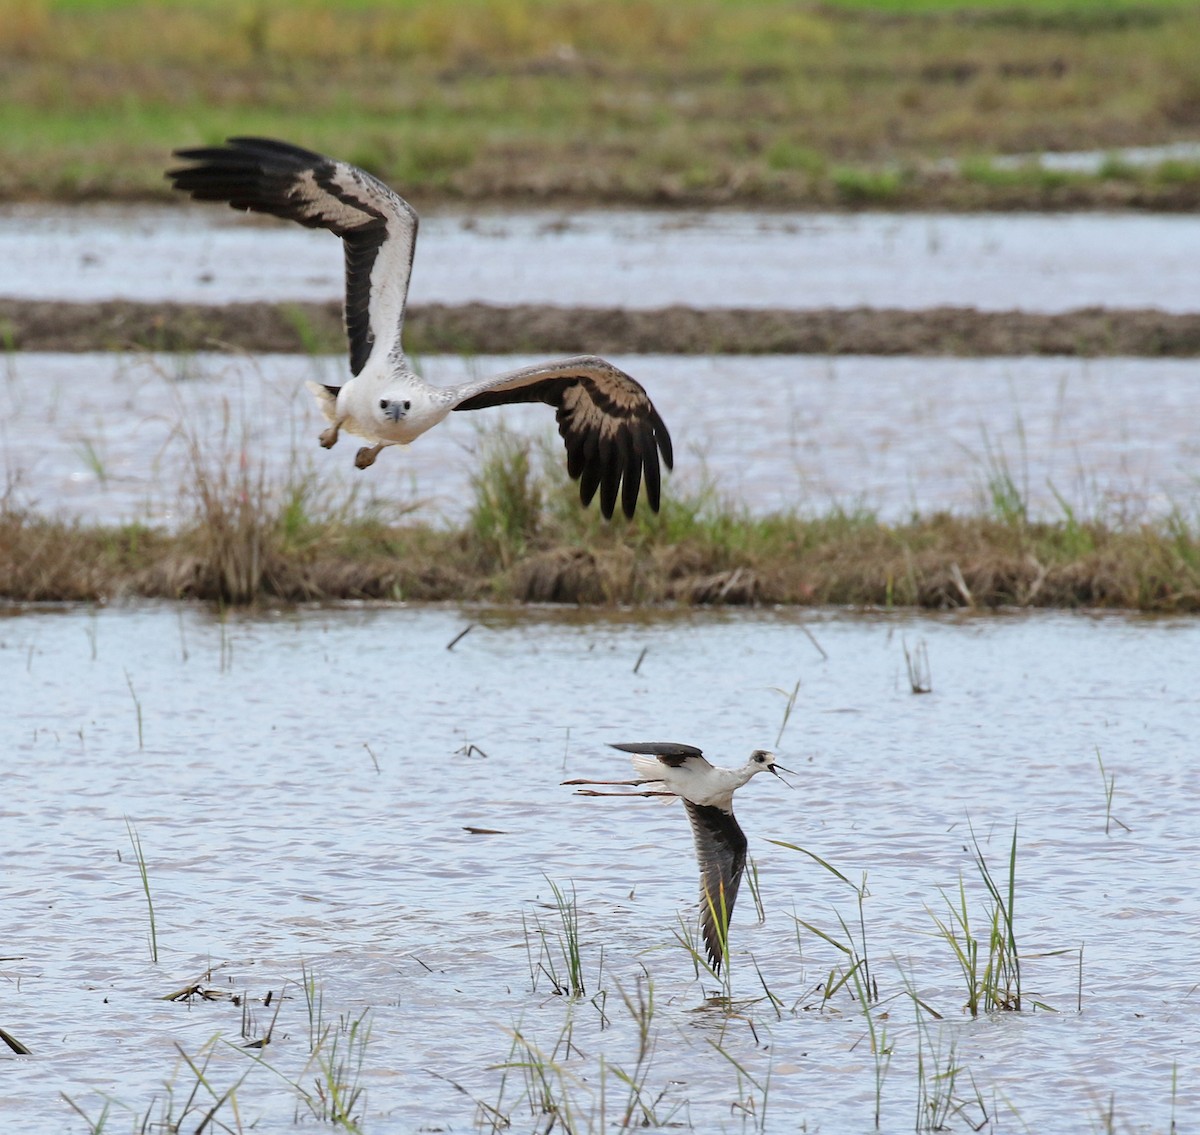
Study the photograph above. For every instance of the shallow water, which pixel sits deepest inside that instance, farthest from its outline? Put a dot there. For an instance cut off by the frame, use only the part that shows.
(627, 258)
(273, 842)
(106, 437)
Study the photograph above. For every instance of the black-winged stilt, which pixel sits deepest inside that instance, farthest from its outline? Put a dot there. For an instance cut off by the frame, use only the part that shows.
(613, 433)
(668, 769)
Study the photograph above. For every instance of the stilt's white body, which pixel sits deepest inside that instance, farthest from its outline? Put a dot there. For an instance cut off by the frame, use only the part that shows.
(673, 771)
(697, 780)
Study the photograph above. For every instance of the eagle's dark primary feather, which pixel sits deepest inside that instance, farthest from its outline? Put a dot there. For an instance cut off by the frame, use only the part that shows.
(721, 850)
(612, 432)
(265, 176)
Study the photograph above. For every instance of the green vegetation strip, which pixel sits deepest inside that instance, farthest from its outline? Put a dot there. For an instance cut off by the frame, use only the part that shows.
(527, 540)
(892, 103)
(486, 329)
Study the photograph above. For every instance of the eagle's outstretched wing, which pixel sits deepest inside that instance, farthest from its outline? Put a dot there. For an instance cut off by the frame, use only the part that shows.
(612, 431)
(377, 226)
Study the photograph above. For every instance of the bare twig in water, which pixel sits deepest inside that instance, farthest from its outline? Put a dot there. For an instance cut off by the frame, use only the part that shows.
(137, 705)
(13, 1043)
(460, 636)
(638, 664)
(920, 677)
(812, 638)
(194, 989)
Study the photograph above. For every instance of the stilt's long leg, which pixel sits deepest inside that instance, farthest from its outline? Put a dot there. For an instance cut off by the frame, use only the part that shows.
(625, 795)
(634, 783)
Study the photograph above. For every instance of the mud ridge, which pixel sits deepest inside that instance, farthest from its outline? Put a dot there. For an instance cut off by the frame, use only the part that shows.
(480, 328)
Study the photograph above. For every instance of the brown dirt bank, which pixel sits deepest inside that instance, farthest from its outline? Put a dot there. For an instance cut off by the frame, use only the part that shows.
(486, 329)
(938, 563)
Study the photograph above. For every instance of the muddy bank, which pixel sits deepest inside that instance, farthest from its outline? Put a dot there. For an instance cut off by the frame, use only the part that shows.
(238, 553)
(478, 328)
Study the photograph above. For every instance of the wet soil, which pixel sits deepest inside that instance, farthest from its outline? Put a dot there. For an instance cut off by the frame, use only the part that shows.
(492, 329)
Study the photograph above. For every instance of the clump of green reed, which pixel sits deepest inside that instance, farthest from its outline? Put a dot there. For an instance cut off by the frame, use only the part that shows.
(193, 1103)
(855, 950)
(574, 1097)
(688, 935)
(882, 1048)
(550, 1088)
(1110, 786)
(337, 1051)
(1009, 500)
(315, 340)
(857, 976)
(939, 1073)
(506, 509)
(990, 963)
(568, 913)
(640, 1006)
(93, 459)
(560, 946)
(750, 1104)
(144, 874)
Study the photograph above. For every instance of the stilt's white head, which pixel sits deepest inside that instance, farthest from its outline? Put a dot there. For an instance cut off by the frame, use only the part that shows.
(763, 760)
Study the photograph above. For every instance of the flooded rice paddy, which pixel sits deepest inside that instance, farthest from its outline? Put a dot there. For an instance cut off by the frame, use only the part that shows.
(304, 784)
(107, 437)
(626, 258)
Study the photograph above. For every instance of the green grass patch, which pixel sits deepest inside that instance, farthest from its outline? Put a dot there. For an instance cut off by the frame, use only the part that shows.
(647, 100)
